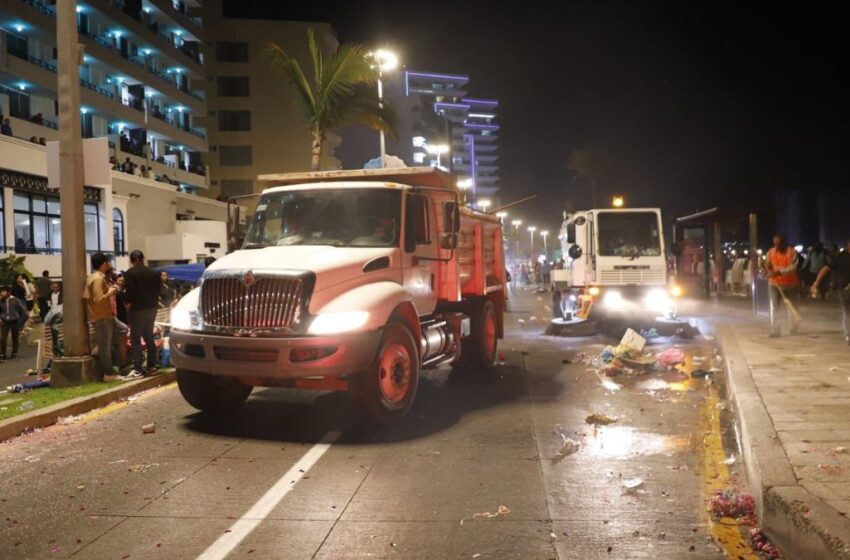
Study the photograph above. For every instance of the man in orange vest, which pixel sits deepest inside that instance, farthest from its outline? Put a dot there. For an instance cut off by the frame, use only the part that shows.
(782, 277)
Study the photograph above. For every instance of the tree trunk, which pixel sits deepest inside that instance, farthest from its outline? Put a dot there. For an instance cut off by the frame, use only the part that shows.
(315, 162)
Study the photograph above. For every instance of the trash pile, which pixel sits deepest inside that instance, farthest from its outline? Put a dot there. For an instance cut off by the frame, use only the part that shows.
(763, 546)
(733, 504)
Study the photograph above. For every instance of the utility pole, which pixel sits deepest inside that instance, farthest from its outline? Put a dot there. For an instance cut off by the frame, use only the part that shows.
(75, 367)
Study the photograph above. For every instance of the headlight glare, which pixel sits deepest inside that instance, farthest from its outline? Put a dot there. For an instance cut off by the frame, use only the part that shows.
(339, 322)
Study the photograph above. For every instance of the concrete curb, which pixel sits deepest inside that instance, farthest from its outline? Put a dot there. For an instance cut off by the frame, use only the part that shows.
(48, 416)
(797, 521)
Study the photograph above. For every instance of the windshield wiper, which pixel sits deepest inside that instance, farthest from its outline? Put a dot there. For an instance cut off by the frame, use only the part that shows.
(254, 245)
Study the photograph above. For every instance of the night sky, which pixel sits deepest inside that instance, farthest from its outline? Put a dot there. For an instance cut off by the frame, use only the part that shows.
(697, 106)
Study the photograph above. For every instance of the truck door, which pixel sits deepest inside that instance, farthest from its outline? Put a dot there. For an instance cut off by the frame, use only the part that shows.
(421, 246)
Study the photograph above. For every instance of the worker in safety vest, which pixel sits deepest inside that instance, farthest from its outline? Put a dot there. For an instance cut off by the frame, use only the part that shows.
(782, 277)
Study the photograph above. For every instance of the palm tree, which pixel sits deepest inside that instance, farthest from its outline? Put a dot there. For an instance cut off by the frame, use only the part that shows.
(338, 94)
(589, 163)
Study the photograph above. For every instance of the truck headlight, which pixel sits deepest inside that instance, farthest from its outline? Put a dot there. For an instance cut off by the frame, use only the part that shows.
(676, 291)
(339, 322)
(658, 300)
(613, 299)
(594, 291)
(181, 319)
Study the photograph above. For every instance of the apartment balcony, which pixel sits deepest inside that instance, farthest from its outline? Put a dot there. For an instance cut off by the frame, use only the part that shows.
(186, 19)
(43, 20)
(160, 168)
(154, 33)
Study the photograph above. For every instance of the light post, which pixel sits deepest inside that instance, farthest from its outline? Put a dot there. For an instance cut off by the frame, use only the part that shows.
(385, 61)
(484, 204)
(437, 150)
(75, 366)
(502, 216)
(545, 234)
(531, 230)
(516, 224)
(618, 201)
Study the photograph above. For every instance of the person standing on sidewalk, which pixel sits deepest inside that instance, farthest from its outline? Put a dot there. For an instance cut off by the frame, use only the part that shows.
(11, 311)
(142, 295)
(43, 286)
(839, 269)
(782, 263)
(98, 295)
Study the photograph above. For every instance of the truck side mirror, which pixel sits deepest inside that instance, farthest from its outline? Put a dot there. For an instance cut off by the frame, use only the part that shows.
(580, 221)
(448, 241)
(451, 218)
(575, 252)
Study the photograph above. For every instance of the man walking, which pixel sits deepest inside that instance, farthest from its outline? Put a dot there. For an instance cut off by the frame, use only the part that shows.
(840, 272)
(782, 277)
(43, 286)
(11, 311)
(142, 287)
(98, 294)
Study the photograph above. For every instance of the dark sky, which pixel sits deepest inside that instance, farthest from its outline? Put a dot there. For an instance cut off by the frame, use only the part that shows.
(697, 105)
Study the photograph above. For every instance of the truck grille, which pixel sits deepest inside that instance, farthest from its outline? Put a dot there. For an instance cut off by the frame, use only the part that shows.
(632, 276)
(269, 302)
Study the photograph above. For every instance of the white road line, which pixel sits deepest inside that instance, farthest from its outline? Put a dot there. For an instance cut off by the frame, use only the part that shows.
(264, 506)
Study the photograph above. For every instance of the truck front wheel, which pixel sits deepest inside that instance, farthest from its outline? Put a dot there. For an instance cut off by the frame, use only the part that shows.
(386, 390)
(211, 394)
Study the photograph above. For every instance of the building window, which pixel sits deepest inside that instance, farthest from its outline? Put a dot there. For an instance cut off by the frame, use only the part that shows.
(236, 187)
(226, 51)
(38, 227)
(235, 155)
(234, 120)
(233, 86)
(118, 231)
(92, 227)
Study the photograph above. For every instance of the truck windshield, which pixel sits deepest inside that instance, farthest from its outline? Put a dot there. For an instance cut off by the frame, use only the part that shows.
(353, 217)
(629, 234)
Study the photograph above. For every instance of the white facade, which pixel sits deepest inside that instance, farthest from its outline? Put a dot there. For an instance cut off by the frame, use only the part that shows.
(133, 213)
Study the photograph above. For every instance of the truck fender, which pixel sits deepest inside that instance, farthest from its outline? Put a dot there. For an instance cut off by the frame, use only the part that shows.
(383, 301)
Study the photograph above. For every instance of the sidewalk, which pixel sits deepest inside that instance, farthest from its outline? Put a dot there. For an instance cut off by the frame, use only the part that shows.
(792, 400)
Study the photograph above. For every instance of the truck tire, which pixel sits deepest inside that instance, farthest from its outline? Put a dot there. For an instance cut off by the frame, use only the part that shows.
(211, 394)
(387, 389)
(478, 350)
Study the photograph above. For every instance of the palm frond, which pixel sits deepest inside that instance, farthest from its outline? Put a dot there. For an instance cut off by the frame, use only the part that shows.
(362, 108)
(316, 55)
(343, 71)
(281, 61)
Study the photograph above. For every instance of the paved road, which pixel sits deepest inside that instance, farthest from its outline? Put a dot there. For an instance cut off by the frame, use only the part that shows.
(257, 484)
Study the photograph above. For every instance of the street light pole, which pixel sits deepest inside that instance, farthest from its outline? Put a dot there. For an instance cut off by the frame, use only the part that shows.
(531, 230)
(545, 234)
(75, 367)
(385, 61)
(381, 106)
(516, 224)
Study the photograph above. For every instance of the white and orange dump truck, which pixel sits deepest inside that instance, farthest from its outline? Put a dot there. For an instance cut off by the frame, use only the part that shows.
(347, 280)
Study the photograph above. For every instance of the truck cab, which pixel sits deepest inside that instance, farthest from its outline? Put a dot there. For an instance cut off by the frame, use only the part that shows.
(617, 270)
(347, 280)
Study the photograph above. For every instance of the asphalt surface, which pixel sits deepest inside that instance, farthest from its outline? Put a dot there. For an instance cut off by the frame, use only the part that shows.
(475, 472)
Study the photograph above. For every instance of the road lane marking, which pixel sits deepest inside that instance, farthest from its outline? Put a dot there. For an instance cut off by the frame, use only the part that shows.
(251, 519)
(716, 477)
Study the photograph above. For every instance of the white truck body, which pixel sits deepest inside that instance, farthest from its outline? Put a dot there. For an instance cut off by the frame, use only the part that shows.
(616, 263)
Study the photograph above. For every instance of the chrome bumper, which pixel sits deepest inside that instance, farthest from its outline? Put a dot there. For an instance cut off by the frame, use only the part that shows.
(259, 358)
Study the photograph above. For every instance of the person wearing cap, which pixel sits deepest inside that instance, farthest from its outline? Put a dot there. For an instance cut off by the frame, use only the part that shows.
(142, 296)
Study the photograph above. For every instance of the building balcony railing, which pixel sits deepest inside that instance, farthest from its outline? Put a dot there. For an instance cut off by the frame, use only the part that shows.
(43, 8)
(97, 89)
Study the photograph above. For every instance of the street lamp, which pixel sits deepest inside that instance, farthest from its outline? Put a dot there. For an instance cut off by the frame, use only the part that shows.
(618, 201)
(531, 230)
(516, 224)
(545, 233)
(385, 61)
(501, 216)
(438, 150)
(484, 204)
